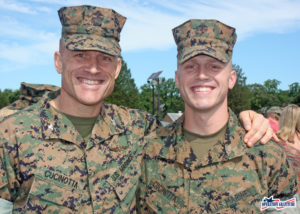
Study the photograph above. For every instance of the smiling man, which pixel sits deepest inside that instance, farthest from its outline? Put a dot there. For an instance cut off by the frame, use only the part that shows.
(199, 164)
(71, 152)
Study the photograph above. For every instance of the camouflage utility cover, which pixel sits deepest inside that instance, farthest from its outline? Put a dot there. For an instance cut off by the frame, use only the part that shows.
(231, 178)
(47, 167)
(275, 109)
(30, 94)
(91, 28)
(201, 36)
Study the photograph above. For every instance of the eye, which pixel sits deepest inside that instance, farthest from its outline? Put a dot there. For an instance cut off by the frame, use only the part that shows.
(190, 67)
(79, 54)
(215, 67)
(106, 58)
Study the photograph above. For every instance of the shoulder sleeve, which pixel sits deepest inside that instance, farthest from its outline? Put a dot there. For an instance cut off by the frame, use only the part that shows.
(151, 124)
(143, 119)
(8, 180)
(282, 177)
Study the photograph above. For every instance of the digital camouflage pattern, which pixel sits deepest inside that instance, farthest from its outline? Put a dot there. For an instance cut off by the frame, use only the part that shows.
(231, 178)
(91, 28)
(201, 36)
(29, 94)
(275, 109)
(47, 167)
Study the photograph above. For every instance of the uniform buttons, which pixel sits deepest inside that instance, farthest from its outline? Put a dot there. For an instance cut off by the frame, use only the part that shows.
(91, 172)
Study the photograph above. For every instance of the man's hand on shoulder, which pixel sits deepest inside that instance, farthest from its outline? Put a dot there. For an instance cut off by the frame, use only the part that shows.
(258, 128)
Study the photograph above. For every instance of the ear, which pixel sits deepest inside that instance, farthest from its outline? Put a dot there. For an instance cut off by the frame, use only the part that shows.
(232, 79)
(176, 78)
(58, 62)
(119, 67)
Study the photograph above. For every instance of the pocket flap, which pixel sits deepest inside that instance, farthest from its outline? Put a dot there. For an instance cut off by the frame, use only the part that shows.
(159, 197)
(124, 180)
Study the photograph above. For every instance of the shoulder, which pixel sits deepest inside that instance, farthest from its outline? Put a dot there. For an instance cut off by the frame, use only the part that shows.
(162, 132)
(163, 138)
(270, 153)
(128, 115)
(22, 118)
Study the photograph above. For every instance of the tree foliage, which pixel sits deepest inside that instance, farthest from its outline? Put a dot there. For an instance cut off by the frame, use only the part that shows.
(8, 96)
(169, 97)
(125, 92)
(294, 93)
(238, 97)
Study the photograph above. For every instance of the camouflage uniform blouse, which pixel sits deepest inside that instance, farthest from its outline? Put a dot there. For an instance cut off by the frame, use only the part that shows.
(231, 178)
(47, 167)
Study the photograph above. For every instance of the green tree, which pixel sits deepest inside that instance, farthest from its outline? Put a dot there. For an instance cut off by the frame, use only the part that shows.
(259, 97)
(4, 101)
(294, 93)
(266, 95)
(8, 96)
(169, 97)
(239, 96)
(125, 92)
(146, 98)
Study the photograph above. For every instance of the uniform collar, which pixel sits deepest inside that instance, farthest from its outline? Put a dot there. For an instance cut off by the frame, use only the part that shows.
(57, 126)
(175, 148)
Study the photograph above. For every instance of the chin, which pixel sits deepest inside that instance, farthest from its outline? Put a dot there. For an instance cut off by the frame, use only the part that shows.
(91, 102)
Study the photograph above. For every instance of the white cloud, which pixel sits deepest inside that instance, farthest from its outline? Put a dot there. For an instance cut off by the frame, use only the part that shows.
(148, 25)
(248, 17)
(16, 6)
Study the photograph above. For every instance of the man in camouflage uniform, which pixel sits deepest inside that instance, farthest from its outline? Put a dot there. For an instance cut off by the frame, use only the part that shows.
(30, 94)
(70, 152)
(49, 164)
(199, 164)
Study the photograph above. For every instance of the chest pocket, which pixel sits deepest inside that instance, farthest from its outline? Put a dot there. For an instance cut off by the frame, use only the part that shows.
(53, 193)
(159, 199)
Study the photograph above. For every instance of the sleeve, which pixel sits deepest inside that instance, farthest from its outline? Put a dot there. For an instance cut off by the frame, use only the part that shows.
(282, 177)
(8, 181)
(152, 123)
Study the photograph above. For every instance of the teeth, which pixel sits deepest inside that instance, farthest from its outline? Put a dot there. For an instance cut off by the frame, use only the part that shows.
(202, 89)
(91, 82)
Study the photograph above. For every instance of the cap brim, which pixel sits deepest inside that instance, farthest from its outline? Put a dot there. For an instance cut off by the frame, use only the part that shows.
(92, 42)
(189, 53)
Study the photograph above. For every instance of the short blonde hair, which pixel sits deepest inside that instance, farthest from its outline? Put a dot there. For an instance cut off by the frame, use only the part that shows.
(289, 123)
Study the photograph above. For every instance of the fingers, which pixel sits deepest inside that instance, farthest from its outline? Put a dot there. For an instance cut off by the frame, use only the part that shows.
(275, 138)
(268, 136)
(246, 119)
(260, 130)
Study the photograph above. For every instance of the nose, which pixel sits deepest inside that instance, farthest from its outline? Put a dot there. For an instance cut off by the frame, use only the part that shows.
(93, 64)
(202, 73)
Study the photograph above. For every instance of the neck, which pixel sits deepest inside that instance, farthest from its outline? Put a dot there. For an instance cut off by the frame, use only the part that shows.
(72, 107)
(205, 122)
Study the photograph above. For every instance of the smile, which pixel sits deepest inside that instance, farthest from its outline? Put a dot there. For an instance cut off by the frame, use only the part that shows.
(92, 82)
(202, 89)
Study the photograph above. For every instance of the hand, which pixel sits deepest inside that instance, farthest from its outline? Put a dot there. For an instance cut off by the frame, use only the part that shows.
(258, 128)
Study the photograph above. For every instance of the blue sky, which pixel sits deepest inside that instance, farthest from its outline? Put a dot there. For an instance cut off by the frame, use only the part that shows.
(267, 47)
